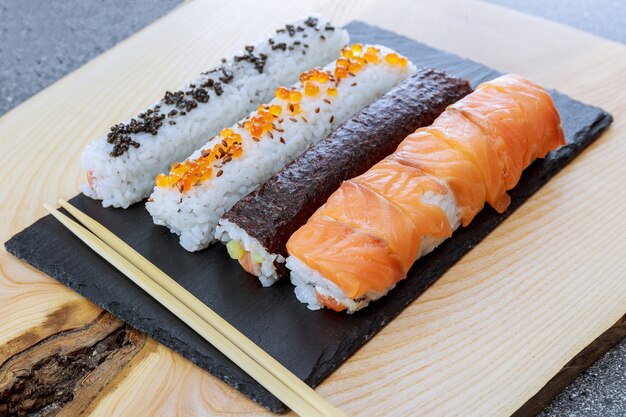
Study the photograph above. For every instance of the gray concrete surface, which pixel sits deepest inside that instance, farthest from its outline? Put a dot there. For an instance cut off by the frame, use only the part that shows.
(600, 391)
(41, 41)
(606, 18)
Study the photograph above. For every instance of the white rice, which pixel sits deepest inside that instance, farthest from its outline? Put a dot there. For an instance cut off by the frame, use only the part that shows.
(128, 178)
(194, 214)
(308, 281)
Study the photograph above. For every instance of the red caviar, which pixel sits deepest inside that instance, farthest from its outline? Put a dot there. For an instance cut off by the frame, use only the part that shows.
(357, 48)
(282, 93)
(193, 172)
(311, 89)
(295, 96)
(275, 110)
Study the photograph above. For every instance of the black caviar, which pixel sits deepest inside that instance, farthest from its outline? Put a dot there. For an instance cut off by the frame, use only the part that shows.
(186, 100)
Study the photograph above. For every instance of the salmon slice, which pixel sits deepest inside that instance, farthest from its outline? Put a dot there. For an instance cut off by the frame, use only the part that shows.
(355, 261)
(404, 186)
(540, 119)
(456, 166)
(494, 112)
(360, 208)
(460, 133)
(519, 117)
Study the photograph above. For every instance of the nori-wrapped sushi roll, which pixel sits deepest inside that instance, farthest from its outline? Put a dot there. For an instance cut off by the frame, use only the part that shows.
(257, 228)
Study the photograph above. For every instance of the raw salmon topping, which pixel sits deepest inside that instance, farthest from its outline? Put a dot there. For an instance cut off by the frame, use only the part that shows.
(370, 231)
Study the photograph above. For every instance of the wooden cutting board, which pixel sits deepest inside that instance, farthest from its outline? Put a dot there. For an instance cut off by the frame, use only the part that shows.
(504, 330)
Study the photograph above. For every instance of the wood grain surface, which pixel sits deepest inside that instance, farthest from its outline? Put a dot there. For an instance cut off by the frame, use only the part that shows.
(509, 319)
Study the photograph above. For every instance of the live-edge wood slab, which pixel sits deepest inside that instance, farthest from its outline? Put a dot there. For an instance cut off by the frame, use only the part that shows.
(505, 329)
(311, 344)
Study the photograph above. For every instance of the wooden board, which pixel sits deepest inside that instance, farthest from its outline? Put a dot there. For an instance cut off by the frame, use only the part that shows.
(482, 341)
(273, 318)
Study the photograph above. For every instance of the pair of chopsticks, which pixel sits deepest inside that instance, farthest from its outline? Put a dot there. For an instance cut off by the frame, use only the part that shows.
(266, 370)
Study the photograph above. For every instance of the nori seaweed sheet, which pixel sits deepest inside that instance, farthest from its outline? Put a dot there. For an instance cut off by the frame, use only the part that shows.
(274, 211)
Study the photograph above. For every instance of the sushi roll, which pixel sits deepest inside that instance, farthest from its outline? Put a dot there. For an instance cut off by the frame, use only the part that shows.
(257, 228)
(358, 245)
(121, 166)
(192, 198)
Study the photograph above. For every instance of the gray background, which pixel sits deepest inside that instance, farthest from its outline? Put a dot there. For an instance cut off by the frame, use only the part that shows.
(41, 41)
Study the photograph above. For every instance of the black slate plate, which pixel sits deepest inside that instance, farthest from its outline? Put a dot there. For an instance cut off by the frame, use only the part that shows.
(310, 344)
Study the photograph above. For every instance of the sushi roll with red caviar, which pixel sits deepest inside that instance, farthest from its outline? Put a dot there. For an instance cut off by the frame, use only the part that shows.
(195, 194)
(358, 245)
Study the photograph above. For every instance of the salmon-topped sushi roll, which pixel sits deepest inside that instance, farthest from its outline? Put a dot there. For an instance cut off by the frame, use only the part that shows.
(357, 246)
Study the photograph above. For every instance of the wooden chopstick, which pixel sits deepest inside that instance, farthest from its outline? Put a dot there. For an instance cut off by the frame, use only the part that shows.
(202, 310)
(242, 351)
